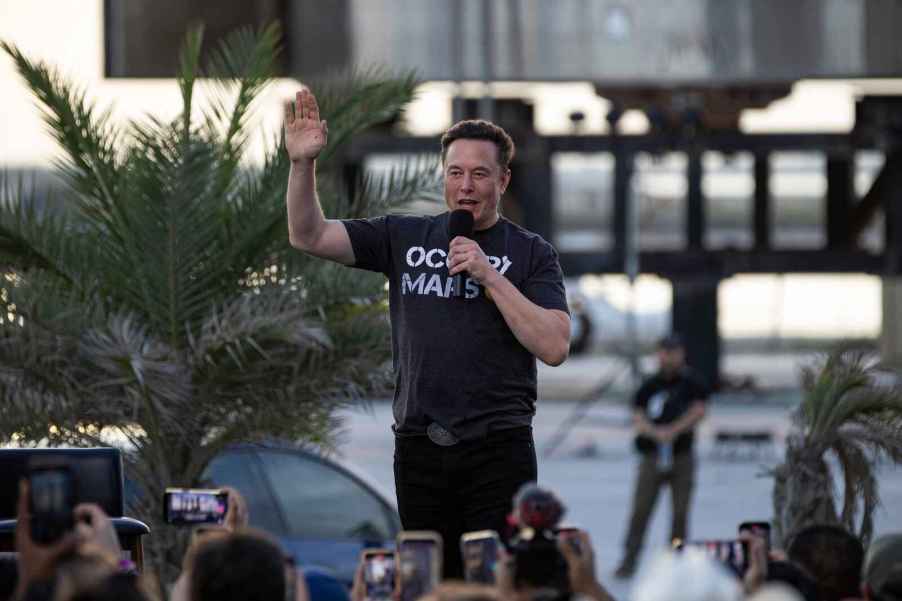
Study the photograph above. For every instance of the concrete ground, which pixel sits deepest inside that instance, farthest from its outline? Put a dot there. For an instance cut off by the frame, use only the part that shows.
(579, 375)
(592, 467)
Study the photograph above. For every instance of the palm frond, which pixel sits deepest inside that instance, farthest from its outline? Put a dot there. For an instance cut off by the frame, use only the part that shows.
(859, 486)
(849, 410)
(355, 101)
(838, 387)
(248, 59)
(89, 139)
(189, 64)
(881, 433)
(417, 178)
(34, 236)
(164, 303)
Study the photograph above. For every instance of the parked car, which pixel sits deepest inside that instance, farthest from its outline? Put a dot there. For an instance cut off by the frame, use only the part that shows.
(323, 510)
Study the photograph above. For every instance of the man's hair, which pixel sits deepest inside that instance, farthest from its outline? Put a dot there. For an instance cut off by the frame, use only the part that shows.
(832, 557)
(477, 129)
(794, 577)
(243, 566)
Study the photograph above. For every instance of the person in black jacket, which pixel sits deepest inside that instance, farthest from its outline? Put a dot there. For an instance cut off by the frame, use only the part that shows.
(666, 409)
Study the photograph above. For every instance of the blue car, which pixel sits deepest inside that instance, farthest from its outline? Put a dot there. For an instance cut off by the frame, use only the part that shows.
(322, 510)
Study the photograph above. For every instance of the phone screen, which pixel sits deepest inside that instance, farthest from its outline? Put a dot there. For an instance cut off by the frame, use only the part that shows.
(479, 551)
(379, 575)
(761, 529)
(185, 507)
(52, 501)
(732, 553)
(419, 567)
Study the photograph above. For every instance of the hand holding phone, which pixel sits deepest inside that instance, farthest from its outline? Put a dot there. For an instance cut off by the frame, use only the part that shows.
(732, 553)
(379, 574)
(51, 503)
(186, 507)
(572, 535)
(759, 528)
(419, 563)
(479, 551)
(94, 526)
(35, 561)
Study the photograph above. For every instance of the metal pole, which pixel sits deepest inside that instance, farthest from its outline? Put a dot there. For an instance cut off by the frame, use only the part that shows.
(457, 58)
(487, 103)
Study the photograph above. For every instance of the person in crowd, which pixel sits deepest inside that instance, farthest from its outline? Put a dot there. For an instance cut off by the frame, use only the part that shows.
(322, 585)
(881, 575)
(689, 575)
(233, 561)
(775, 591)
(576, 548)
(790, 575)
(84, 564)
(9, 576)
(772, 570)
(465, 366)
(667, 407)
(245, 565)
(832, 556)
(95, 577)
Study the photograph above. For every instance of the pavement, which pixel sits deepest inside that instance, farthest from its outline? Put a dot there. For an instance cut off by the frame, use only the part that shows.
(580, 375)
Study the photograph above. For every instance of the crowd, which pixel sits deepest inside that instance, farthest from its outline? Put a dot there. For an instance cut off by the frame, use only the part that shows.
(235, 562)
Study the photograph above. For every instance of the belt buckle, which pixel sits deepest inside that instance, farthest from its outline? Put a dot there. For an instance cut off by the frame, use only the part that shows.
(441, 436)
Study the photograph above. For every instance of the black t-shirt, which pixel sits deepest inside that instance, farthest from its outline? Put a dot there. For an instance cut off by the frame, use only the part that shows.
(456, 361)
(664, 400)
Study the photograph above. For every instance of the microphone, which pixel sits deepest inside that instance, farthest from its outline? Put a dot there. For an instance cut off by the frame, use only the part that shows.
(460, 223)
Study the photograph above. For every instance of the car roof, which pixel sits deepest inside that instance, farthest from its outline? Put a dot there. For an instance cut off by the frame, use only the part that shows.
(325, 456)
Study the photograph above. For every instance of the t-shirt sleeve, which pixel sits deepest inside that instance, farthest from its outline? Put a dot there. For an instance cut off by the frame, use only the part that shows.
(700, 392)
(371, 242)
(640, 399)
(545, 284)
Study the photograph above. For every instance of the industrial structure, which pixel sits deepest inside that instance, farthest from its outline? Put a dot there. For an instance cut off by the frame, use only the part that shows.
(691, 66)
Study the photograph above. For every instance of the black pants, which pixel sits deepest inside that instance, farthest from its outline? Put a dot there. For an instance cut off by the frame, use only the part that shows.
(648, 484)
(461, 488)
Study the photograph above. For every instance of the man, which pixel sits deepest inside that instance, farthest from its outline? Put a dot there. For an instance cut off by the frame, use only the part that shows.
(244, 564)
(666, 409)
(832, 556)
(465, 373)
(881, 574)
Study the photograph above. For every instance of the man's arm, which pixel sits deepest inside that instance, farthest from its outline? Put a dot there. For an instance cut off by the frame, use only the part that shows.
(642, 424)
(308, 229)
(544, 332)
(686, 422)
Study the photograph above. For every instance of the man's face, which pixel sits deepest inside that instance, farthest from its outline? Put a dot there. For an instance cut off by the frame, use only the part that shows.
(474, 180)
(670, 360)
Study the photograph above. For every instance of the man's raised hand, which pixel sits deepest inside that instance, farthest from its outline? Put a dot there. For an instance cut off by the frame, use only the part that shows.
(305, 134)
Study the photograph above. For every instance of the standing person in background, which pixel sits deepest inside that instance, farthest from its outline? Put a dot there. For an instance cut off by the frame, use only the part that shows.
(465, 366)
(666, 409)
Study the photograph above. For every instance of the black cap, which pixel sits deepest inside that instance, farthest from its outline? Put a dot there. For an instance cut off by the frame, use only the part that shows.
(671, 342)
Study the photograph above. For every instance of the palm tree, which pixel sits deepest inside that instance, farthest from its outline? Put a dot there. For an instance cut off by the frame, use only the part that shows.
(162, 304)
(850, 421)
